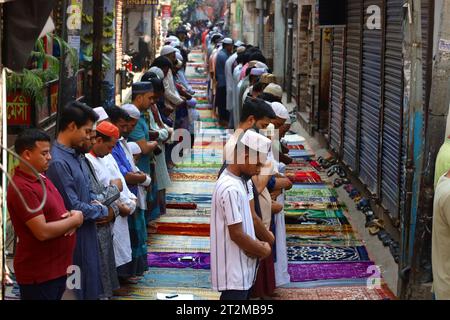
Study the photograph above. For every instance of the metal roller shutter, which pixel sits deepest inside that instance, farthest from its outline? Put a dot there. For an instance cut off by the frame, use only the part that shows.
(392, 149)
(370, 102)
(336, 90)
(352, 82)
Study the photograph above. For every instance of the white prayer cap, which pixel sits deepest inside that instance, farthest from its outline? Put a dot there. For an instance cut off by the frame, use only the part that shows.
(280, 110)
(157, 71)
(167, 50)
(101, 113)
(238, 43)
(134, 148)
(132, 110)
(257, 71)
(227, 41)
(179, 56)
(274, 89)
(256, 141)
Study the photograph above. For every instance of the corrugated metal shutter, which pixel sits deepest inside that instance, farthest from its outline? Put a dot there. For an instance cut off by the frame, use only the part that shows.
(336, 90)
(392, 150)
(352, 82)
(370, 102)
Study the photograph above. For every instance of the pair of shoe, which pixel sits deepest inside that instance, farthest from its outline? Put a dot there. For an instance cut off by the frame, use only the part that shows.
(363, 203)
(326, 163)
(339, 182)
(337, 169)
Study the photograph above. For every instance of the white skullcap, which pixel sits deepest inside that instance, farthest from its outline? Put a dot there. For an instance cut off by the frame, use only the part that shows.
(274, 89)
(157, 71)
(134, 148)
(257, 71)
(167, 50)
(132, 110)
(256, 141)
(179, 56)
(238, 43)
(227, 41)
(280, 110)
(101, 113)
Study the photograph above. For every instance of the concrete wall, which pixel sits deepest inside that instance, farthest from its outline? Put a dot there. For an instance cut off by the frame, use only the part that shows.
(279, 60)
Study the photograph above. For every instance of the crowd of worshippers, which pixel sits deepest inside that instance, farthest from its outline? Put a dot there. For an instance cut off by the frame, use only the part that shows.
(237, 71)
(81, 205)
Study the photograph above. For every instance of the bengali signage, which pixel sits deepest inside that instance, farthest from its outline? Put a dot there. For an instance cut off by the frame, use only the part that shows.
(166, 11)
(18, 108)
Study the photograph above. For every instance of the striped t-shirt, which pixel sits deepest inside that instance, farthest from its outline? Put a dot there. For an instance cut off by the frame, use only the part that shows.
(231, 268)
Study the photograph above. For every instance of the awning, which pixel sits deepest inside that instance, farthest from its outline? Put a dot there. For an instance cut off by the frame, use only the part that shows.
(24, 21)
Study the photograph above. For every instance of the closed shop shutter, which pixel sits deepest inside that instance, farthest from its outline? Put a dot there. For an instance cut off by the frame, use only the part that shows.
(370, 102)
(352, 82)
(392, 149)
(336, 90)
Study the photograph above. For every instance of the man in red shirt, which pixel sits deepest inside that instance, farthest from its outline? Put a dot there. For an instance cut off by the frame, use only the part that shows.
(46, 237)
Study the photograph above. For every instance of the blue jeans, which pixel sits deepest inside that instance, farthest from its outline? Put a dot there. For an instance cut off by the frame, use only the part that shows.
(49, 290)
(235, 295)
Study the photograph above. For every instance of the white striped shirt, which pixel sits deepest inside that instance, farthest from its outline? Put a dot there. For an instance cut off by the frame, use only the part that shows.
(231, 268)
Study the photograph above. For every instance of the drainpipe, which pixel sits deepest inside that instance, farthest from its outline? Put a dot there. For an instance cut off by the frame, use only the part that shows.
(97, 58)
(413, 96)
(290, 48)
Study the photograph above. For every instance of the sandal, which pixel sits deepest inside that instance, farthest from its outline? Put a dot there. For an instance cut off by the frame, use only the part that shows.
(375, 226)
(362, 203)
(337, 182)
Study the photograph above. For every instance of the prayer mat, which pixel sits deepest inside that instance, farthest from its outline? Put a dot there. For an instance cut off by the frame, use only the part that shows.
(323, 271)
(183, 229)
(174, 219)
(307, 186)
(180, 205)
(327, 283)
(179, 260)
(310, 221)
(188, 213)
(301, 228)
(314, 213)
(362, 292)
(179, 176)
(171, 277)
(295, 240)
(312, 199)
(190, 164)
(294, 205)
(314, 191)
(171, 243)
(198, 199)
(146, 293)
(326, 253)
(304, 177)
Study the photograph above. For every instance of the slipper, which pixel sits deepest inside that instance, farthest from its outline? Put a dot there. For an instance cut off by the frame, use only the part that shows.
(385, 238)
(375, 226)
(362, 203)
(337, 182)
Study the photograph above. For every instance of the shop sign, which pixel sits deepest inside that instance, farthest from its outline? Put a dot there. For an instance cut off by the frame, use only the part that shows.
(18, 108)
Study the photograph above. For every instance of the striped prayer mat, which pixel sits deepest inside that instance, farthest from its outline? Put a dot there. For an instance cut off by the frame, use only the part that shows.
(186, 229)
(172, 243)
(171, 277)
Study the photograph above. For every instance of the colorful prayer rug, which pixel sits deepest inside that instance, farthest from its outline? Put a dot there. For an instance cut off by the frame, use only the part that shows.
(186, 229)
(326, 253)
(146, 293)
(179, 260)
(172, 243)
(323, 271)
(362, 292)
